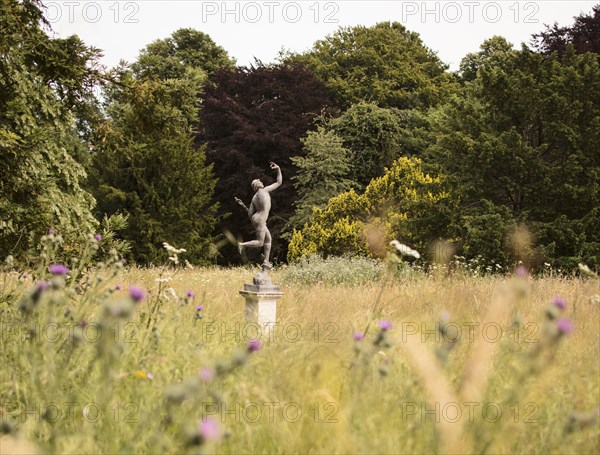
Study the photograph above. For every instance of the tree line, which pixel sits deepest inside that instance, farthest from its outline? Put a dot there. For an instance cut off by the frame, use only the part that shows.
(376, 137)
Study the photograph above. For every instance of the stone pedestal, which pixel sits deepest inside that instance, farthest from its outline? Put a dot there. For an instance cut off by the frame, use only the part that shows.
(261, 300)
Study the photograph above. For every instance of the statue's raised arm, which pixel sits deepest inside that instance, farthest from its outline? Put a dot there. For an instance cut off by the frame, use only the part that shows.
(279, 181)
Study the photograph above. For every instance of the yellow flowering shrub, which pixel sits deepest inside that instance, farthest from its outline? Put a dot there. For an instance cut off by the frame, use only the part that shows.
(342, 237)
(405, 201)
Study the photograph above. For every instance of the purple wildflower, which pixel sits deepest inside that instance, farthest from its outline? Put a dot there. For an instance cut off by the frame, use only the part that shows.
(118, 287)
(521, 272)
(358, 336)
(58, 269)
(191, 294)
(199, 308)
(209, 429)
(559, 302)
(385, 325)
(564, 326)
(253, 345)
(41, 286)
(51, 231)
(207, 374)
(98, 237)
(136, 293)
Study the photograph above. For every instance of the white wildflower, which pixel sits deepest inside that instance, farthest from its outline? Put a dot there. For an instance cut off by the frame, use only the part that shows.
(586, 270)
(405, 250)
(172, 293)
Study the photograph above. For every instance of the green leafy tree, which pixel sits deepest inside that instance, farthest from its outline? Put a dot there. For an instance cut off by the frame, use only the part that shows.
(146, 164)
(186, 55)
(377, 136)
(43, 82)
(322, 173)
(384, 64)
(493, 53)
(524, 137)
(145, 167)
(173, 57)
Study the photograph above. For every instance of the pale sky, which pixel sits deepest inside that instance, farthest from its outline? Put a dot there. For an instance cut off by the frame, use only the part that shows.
(248, 29)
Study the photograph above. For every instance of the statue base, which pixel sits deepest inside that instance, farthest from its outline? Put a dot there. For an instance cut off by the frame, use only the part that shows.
(263, 278)
(261, 300)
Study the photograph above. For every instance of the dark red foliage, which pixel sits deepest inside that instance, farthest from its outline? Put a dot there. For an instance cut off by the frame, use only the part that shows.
(251, 116)
(584, 35)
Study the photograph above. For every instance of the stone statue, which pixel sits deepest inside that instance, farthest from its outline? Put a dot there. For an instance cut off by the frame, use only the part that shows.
(258, 213)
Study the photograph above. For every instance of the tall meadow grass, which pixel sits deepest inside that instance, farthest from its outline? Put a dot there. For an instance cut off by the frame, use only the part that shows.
(123, 360)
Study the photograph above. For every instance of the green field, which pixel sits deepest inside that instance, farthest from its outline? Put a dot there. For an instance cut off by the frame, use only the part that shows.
(131, 383)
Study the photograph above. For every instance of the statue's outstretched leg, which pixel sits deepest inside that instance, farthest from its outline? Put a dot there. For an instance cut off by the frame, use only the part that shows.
(258, 243)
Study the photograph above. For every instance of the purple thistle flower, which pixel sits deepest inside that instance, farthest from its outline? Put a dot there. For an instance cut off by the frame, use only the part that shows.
(118, 287)
(136, 293)
(207, 374)
(199, 308)
(385, 325)
(51, 231)
(521, 272)
(254, 345)
(209, 429)
(191, 294)
(58, 269)
(98, 237)
(559, 302)
(358, 336)
(564, 326)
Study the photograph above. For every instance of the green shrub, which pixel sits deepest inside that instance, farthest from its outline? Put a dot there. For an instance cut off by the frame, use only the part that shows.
(352, 271)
